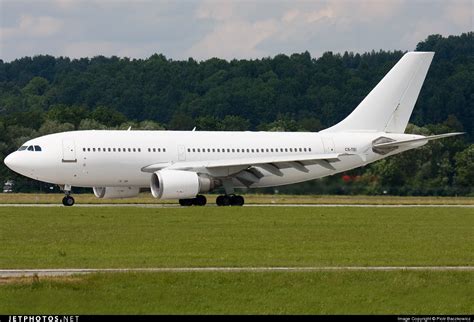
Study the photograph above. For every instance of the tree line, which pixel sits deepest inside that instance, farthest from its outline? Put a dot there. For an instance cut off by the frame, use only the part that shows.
(45, 94)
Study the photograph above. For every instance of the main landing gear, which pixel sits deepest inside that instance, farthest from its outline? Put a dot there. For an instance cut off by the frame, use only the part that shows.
(200, 200)
(230, 200)
(68, 200)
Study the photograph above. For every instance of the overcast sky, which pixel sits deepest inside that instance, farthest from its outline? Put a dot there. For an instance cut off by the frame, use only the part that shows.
(226, 29)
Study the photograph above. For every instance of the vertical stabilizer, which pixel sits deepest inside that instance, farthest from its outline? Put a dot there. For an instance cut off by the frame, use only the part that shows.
(389, 105)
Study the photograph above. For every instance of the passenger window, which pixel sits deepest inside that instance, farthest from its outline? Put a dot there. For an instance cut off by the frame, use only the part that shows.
(108, 149)
(84, 149)
(113, 149)
(164, 149)
(98, 149)
(139, 150)
(309, 149)
(88, 149)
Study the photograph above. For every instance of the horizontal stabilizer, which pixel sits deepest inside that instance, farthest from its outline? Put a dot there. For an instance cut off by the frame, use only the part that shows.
(409, 142)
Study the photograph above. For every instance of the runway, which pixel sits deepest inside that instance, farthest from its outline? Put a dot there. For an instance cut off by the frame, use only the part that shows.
(248, 205)
(7, 273)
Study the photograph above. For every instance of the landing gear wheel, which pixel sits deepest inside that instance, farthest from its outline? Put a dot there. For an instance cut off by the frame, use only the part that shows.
(230, 200)
(68, 201)
(237, 201)
(186, 202)
(200, 200)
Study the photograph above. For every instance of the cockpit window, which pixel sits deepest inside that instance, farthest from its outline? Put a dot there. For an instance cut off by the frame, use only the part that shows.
(30, 148)
(22, 148)
(37, 148)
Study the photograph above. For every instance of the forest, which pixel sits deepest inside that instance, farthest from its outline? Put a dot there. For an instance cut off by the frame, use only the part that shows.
(45, 94)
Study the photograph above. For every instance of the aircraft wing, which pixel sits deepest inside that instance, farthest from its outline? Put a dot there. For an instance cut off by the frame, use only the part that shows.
(272, 164)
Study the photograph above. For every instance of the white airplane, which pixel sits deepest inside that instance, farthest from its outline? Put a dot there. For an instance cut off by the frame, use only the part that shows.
(184, 164)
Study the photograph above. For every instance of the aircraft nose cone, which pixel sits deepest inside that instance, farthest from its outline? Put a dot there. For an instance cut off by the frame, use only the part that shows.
(9, 160)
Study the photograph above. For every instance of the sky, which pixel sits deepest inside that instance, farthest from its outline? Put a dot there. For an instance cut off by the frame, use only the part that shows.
(227, 29)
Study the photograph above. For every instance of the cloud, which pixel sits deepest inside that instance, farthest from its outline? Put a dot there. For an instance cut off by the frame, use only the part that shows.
(461, 14)
(29, 25)
(107, 48)
(217, 10)
(234, 39)
(217, 28)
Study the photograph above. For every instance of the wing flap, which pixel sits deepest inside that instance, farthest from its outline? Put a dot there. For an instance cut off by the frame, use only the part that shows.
(272, 164)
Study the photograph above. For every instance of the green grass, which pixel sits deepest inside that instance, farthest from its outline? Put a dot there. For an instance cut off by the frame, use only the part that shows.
(114, 237)
(262, 293)
(147, 198)
(193, 237)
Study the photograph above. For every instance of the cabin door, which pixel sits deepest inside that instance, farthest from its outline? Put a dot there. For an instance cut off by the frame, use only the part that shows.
(181, 153)
(69, 151)
(328, 145)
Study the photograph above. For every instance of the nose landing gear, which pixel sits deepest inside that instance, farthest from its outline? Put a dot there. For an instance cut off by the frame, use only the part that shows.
(68, 200)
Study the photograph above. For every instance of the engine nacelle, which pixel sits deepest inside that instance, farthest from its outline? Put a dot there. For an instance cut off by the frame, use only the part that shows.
(116, 192)
(178, 184)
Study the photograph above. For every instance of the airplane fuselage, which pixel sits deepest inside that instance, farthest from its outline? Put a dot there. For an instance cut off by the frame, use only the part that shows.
(117, 158)
(184, 164)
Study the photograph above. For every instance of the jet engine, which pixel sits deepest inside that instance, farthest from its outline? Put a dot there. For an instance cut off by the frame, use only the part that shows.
(178, 184)
(116, 192)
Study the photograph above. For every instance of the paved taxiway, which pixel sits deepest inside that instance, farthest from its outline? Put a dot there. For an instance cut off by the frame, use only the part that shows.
(249, 205)
(6, 273)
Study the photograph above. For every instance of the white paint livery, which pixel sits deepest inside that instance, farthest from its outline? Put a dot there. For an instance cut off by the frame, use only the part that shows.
(182, 164)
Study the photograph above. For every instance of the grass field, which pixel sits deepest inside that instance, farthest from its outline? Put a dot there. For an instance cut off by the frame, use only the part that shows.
(258, 293)
(147, 198)
(238, 237)
(263, 236)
